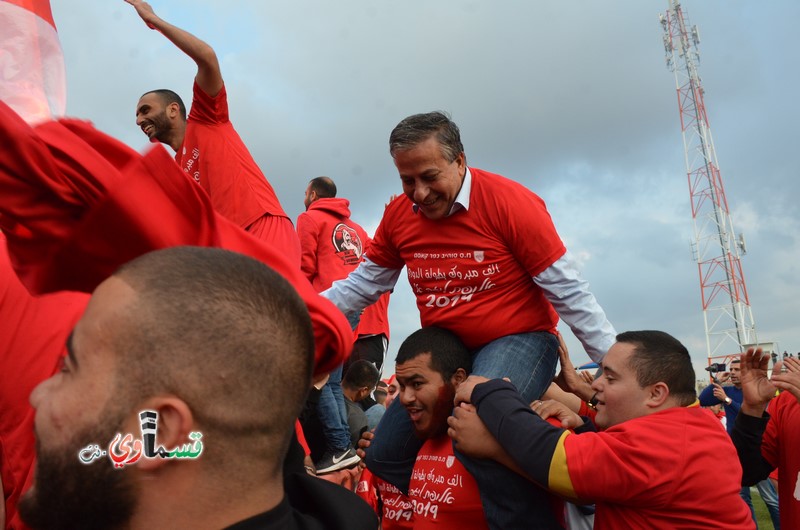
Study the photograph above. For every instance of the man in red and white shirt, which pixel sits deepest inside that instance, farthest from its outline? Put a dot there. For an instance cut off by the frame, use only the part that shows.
(647, 469)
(208, 148)
(484, 261)
(431, 363)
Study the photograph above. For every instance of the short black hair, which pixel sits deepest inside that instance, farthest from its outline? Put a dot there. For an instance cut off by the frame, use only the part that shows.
(660, 357)
(448, 353)
(168, 97)
(324, 187)
(361, 374)
(217, 329)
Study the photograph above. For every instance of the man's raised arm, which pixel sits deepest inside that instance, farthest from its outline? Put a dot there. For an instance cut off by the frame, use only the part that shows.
(209, 76)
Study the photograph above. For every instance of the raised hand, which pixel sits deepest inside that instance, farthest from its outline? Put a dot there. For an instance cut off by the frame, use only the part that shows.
(568, 379)
(786, 376)
(757, 390)
(146, 12)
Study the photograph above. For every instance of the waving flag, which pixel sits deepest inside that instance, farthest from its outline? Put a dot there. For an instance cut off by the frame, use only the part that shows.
(32, 79)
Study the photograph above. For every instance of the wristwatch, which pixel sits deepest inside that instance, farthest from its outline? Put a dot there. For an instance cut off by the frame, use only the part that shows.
(728, 401)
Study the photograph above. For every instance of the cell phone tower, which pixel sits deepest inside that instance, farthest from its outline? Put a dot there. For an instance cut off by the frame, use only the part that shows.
(726, 307)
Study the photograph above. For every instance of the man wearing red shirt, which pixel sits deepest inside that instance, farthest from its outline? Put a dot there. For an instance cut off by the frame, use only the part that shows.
(485, 262)
(431, 363)
(767, 441)
(648, 469)
(332, 246)
(207, 147)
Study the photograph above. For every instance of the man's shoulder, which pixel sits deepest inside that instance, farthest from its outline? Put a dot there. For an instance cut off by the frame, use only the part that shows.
(498, 187)
(317, 500)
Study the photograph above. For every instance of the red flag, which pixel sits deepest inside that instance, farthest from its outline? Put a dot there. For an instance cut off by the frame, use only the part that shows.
(32, 79)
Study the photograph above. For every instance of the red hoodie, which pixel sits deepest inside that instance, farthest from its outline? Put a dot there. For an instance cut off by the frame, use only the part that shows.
(332, 247)
(332, 244)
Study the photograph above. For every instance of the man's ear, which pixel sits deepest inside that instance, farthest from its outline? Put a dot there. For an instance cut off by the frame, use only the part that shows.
(658, 394)
(173, 110)
(458, 377)
(362, 393)
(175, 423)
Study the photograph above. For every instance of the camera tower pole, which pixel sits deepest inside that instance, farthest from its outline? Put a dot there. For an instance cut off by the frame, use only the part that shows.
(726, 307)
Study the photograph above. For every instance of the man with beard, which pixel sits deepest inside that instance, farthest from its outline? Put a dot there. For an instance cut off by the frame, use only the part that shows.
(207, 147)
(431, 363)
(194, 335)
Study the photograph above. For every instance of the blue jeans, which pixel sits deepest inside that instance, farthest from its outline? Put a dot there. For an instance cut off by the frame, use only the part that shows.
(509, 500)
(770, 498)
(333, 414)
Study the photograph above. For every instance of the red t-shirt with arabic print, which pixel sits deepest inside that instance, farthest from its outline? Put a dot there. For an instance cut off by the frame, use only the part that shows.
(215, 157)
(442, 492)
(471, 272)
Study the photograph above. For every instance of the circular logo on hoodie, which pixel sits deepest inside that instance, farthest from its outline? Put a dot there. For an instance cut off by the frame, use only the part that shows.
(347, 244)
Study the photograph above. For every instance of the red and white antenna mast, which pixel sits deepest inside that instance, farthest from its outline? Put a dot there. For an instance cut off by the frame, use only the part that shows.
(726, 306)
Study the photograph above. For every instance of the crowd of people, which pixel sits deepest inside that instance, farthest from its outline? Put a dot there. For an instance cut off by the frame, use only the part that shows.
(179, 354)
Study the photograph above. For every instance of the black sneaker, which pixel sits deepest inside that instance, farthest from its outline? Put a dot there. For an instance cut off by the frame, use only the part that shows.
(331, 462)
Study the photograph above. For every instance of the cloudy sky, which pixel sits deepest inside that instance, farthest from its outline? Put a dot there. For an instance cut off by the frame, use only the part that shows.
(572, 99)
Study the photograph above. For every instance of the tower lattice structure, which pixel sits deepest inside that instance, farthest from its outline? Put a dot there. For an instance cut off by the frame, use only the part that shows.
(727, 313)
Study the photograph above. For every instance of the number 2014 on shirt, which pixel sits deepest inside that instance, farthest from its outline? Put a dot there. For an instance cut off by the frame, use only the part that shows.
(444, 301)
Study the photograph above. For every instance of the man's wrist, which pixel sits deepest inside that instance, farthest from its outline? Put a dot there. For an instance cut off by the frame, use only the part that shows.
(751, 409)
(728, 400)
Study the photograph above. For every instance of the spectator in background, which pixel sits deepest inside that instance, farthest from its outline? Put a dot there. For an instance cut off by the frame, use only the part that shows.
(391, 390)
(768, 440)
(358, 382)
(376, 411)
(332, 246)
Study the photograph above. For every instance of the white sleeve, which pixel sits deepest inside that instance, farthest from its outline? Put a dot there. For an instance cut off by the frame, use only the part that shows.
(362, 287)
(569, 294)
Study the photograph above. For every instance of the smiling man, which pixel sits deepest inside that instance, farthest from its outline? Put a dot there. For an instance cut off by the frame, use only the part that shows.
(650, 467)
(485, 262)
(207, 147)
(431, 363)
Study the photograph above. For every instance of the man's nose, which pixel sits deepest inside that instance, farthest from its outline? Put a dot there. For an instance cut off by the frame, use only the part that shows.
(421, 192)
(39, 393)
